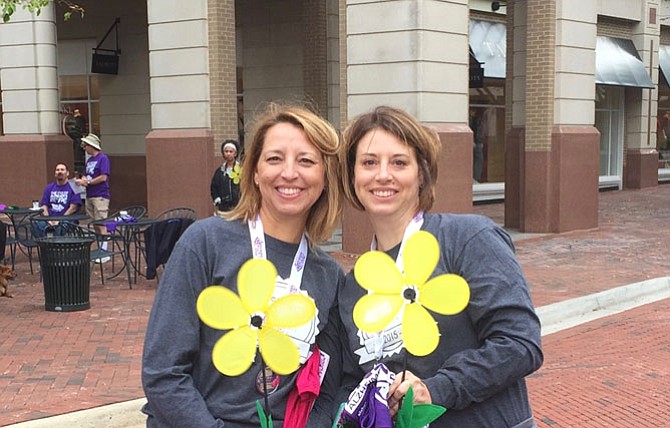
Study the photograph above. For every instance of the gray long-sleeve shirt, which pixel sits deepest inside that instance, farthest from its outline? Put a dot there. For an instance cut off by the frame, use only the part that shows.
(182, 386)
(477, 372)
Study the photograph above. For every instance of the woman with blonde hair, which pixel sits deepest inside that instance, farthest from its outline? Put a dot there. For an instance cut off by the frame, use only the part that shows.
(290, 201)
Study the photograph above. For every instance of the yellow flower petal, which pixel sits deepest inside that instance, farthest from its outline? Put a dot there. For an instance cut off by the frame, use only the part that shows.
(376, 271)
(278, 351)
(419, 331)
(290, 311)
(234, 352)
(220, 308)
(256, 283)
(446, 294)
(420, 257)
(373, 312)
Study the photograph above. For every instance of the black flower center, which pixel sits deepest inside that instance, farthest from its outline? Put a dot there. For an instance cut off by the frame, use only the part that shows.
(409, 294)
(256, 321)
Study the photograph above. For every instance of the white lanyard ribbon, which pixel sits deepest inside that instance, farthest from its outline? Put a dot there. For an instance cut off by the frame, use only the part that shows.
(303, 336)
(413, 227)
(259, 251)
(374, 346)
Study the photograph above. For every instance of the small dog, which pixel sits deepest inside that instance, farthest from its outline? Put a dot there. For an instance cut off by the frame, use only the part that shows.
(6, 274)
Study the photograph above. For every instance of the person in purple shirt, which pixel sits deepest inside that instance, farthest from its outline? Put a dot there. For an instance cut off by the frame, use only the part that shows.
(95, 179)
(58, 199)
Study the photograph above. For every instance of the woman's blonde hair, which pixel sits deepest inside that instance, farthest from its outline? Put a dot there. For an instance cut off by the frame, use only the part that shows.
(422, 140)
(324, 215)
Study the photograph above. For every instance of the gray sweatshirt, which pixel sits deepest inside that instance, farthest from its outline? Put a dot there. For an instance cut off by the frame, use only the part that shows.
(477, 372)
(182, 386)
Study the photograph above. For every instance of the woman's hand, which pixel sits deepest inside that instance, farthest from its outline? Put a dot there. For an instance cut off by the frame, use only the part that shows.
(399, 389)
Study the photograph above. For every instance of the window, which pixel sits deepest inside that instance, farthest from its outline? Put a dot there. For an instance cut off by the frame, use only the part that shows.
(609, 121)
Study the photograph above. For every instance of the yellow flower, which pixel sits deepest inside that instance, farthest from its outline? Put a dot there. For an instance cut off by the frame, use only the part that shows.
(236, 174)
(390, 291)
(254, 321)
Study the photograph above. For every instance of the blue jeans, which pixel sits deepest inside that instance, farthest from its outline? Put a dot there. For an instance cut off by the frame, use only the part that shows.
(40, 228)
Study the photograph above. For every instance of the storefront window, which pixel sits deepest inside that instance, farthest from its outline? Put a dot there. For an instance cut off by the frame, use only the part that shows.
(487, 121)
(79, 96)
(663, 123)
(81, 92)
(609, 121)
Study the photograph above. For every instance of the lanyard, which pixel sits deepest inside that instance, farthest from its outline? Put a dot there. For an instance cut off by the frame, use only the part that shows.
(413, 227)
(259, 251)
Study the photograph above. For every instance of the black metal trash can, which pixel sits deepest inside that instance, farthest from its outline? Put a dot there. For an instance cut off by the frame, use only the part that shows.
(66, 273)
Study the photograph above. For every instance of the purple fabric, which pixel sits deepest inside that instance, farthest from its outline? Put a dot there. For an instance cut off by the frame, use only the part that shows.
(95, 167)
(58, 198)
(111, 225)
(367, 405)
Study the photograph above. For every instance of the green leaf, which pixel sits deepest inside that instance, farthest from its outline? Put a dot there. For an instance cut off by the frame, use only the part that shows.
(266, 422)
(425, 414)
(413, 415)
(404, 417)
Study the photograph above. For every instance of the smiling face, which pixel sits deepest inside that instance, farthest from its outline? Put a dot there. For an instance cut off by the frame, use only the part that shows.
(290, 177)
(386, 176)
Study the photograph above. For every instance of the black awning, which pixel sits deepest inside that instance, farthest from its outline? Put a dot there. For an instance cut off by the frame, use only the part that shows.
(488, 43)
(618, 63)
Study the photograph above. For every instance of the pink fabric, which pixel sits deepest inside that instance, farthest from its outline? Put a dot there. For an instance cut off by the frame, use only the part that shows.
(302, 397)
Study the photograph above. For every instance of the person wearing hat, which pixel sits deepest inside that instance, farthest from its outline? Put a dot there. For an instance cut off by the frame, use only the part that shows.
(96, 178)
(225, 186)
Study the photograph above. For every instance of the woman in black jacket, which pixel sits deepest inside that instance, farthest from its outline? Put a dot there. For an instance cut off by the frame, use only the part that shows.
(225, 187)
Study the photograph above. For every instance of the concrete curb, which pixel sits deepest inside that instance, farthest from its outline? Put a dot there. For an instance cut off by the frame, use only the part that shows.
(569, 313)
(119, 415)
(555, 317)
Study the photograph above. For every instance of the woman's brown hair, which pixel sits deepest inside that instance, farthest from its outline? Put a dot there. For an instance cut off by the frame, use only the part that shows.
(422, 140)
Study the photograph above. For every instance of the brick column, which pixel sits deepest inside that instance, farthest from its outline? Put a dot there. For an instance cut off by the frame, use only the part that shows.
(552, 153)
(315, 54)
(222, 71)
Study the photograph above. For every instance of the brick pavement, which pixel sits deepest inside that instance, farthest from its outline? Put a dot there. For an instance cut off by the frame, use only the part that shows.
(604, 373)
(612, 372)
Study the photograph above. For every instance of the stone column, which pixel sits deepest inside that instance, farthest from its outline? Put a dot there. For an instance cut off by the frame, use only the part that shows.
(640, 156)
(407, 40)
(552, 161)
(33, 142)
(181, 146)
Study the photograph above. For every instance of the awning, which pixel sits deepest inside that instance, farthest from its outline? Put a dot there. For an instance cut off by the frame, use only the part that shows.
(618, 63)
(664, 61)
(488, 42)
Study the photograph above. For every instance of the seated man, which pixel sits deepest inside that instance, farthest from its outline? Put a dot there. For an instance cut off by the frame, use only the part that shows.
(59, 199)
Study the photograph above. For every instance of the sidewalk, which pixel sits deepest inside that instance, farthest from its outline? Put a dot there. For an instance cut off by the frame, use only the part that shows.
(606, 372)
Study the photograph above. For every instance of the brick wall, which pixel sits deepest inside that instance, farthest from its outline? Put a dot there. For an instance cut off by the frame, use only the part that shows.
(613, 27)
(222, 71)
(665, 35)
(488, 16)
(540, 74)
(315, 54)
